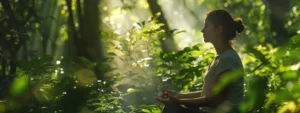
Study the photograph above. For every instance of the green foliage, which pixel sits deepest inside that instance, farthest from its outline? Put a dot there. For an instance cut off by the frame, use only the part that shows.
(135, 70)
(19, 85)
(180, 70)
(37, 66)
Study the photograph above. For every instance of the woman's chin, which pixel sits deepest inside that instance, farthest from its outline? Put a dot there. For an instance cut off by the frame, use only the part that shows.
(205, 41)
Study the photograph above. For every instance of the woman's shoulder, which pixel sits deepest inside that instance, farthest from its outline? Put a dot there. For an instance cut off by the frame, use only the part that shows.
(230, 55)
(231, 58)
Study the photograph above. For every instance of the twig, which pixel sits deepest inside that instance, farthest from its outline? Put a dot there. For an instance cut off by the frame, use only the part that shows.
(7, 9)
(79, 12)
(263, 63)
(129, 54)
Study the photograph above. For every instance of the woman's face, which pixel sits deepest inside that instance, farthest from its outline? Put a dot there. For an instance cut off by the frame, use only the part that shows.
(210, 33)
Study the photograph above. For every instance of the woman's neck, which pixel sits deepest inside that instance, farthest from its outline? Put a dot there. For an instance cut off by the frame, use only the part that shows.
(222, 47)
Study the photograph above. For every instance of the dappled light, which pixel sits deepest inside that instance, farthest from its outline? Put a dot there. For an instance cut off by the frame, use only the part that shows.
(117, 56)
(42, 93)
(85, 77)
(19, 85)
(2, 108)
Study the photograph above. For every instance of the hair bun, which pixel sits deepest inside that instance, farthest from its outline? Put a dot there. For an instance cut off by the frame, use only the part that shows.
(238, 24)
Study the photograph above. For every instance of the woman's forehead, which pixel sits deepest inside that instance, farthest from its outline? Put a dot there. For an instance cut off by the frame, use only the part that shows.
(208, 22)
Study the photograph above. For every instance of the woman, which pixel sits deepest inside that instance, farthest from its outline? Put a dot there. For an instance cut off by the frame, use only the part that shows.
(220, 30)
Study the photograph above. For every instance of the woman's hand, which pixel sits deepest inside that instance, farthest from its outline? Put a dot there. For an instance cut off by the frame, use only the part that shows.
(168, 96)
(169, 100)
(170, 92)
(163, 96)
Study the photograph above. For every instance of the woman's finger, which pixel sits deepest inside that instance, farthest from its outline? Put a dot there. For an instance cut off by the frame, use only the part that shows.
(173, 98)
(163, 96)
(165, 101)
(161, 100)
(167, 91)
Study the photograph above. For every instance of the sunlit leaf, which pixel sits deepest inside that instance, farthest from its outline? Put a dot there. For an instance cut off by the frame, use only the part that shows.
(19, 85)
(132, 90)
(146, 111)
(256, 53)
(290, 75)
(228, 78)
(288, 107)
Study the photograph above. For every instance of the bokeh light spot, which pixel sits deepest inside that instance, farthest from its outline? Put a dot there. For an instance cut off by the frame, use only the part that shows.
(2, 108)
(19, 85)
(85, 77)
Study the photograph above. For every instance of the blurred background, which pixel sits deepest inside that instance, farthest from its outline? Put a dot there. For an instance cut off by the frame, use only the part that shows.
(115, 56)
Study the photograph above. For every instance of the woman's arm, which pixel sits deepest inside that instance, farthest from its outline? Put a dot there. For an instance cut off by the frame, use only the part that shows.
(189, 95)
(210, 100)
(202, 101)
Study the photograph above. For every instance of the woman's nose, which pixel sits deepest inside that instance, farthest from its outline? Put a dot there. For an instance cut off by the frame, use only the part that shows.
(202, 30)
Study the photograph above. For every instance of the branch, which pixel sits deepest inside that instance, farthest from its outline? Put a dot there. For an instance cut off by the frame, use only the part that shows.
(135, 61)
(13, 67)
(4, 64)
(30, 13)
(7, 9)
(73, 32)
(71, 20)
(263, 63)
(79, 12)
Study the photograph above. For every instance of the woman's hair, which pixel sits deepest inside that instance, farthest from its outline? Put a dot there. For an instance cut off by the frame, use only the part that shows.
(230, 26)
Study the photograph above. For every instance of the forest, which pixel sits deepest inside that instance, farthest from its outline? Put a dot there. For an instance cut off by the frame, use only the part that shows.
(116, 56)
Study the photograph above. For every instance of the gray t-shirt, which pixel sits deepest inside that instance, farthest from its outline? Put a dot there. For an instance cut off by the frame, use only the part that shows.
(229, 60)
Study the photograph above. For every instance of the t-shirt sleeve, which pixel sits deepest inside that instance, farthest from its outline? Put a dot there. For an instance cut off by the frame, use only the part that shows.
(235, 90)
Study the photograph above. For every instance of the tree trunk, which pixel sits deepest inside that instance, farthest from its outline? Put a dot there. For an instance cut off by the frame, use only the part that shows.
(167, 44)
(89, 32)
(87, 40)
(87, 43)
(278, 11)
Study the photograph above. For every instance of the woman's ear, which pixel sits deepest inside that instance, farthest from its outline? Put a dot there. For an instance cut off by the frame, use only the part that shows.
(219, 29)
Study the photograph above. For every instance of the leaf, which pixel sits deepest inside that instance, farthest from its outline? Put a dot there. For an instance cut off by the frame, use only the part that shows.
(256, 53)
(196, 47)
(112, 53)
(290, 75)
(181, 31)
(131, 90)
(291, 45)
(19, 85)
(141, 24)
(227, 79)
(179, 77)
(187, 49)
(172, 31)
(146, 111)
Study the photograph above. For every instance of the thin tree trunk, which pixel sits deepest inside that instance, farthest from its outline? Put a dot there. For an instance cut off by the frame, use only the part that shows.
(90, 34)
(73, 36)
(168, 44)
(91, 30)
(87, 42)
(278, 10)
(44, 29)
